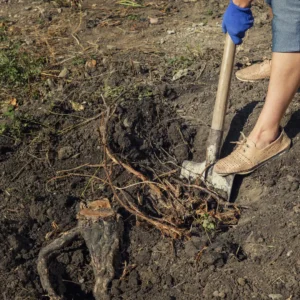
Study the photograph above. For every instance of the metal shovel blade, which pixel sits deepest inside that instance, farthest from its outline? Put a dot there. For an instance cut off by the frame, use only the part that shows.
(222, 185)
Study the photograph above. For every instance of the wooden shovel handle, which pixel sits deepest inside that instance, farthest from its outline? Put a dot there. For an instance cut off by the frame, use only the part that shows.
(216, 132)
(224, 84)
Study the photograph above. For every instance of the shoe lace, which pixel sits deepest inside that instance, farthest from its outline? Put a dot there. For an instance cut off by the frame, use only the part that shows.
(243, 142)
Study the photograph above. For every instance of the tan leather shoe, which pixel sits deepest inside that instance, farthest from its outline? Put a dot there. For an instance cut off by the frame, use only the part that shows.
(246, 157)
(255, 72)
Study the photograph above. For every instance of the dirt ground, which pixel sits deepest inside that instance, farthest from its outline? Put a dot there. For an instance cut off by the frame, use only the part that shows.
(158, 65)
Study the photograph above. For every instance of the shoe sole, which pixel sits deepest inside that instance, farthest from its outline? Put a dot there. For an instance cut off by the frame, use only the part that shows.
(259, 165)
(254, 80)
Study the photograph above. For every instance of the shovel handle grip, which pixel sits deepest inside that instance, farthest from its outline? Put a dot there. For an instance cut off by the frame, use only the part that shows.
(216, 132)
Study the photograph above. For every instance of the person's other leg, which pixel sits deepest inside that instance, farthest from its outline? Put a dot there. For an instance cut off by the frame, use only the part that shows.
(256, 71)
(284, 82)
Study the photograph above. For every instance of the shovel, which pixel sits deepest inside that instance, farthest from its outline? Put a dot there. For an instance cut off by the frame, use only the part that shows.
(222, 185)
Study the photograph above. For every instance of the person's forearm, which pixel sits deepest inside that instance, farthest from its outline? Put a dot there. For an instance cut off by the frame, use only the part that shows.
(243, 3)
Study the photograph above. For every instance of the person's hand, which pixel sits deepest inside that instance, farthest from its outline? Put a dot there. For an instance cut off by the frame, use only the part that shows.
(236, 21)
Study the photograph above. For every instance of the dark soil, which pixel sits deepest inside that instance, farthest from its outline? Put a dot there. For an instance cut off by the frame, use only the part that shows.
(158, 123)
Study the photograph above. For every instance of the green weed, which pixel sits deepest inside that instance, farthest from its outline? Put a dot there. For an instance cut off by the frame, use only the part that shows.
(112, 92)
(180, 62)
(133, 17)
(78, 61)
(2, 128)
(207, 222)
(17, 127)
(18, 67)
(10, 112)
(145, 93)
(3, 35)
(196, 52)
(209, 12)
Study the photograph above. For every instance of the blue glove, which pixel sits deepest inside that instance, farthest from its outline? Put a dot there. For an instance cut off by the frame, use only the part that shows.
(236, 21)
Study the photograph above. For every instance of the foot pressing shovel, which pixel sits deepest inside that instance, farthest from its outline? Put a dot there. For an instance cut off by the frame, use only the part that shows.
(193, 170)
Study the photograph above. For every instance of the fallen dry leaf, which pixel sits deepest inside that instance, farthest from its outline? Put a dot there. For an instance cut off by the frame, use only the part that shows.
(153, 21)
(90, 65)
(77, 106)
(13, 102)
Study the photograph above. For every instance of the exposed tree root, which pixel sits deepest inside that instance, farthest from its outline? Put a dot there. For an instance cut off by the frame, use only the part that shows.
(162, 224)
(46, 254)
(173, 200)
(102, 232)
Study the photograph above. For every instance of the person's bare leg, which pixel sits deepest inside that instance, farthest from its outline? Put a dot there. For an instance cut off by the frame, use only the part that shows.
(284, 82)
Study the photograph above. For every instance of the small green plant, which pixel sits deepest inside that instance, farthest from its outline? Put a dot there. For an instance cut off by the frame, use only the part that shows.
(146, 93)
(78, 61)
(18, 67)
(9, 124)
(17, 126)
(3, 35)
(133, 17)
(180, 62)
(10, 112)
(41, 21)
(209, 12)
(112, 92)
(196, 51)
(207, 222)
(2, 128)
